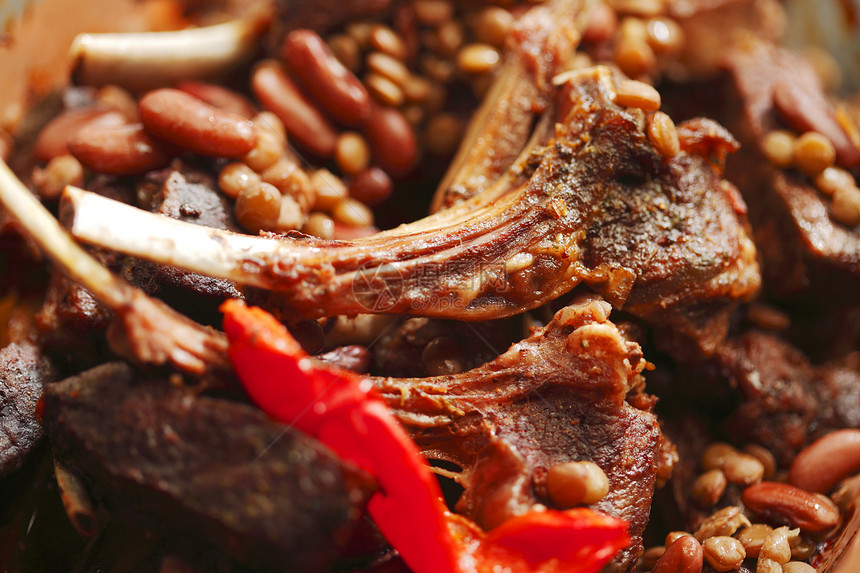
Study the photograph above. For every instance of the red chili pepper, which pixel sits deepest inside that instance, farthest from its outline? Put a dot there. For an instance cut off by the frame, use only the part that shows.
(339, 408)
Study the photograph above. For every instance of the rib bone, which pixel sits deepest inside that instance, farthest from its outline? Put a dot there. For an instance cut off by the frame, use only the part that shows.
(144, 329)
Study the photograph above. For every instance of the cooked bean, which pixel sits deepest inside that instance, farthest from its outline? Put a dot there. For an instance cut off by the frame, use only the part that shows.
(774, 321)
(723, 553)
(766, 317)
(709, 488)
(776, 547)
(433, 12)
(437, 69)
(753, 537)
(384, 90)
(193, 124)
(387, 41)
(290, 179)
(258, 207)
(267, 121)
(54, 137)
(649, 557)
(493, 25)
(743, 469)
(119, 99)
(220, 97)
(663, 135)
(352, 152)
(328, 188)
(449, 38)
(352, 213)
(392, 139)
(372, 186)
(290, 216)
(478, 58)
(443, 134)
(635, 57)
(417, 89)
(60, 171)
(302, 119)
(266, 152)
(791, 505)
(715, 455)
(802, 549)
(721, 523)
(330, 82)
(347, 51)
(118, 150)
(778, 146)
(672, 536)
(602, 24)
(575, 483)
(319, 225)
(846, 206)
(665, 36)
(631, 93)
(833, 178)
(388, 67)
(684, 555)
(236, 177)
(826, 461)
(813, 153)
(797, 567)
(360, 32)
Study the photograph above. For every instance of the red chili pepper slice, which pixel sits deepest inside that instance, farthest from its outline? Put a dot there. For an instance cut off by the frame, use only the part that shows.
(339, 408)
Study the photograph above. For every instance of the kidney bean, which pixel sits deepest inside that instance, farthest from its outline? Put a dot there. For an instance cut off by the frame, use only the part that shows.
(303, 121)
(220, 97)
(336, 88)
(826, 461)
(117, 150)
(194, 124)
(53, 139)
(371, 186)
(790, 504)
(684, 555)
(392, 139)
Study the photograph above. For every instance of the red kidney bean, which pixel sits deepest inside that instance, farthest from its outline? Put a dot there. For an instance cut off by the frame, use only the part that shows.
(303, 121)
(336, 88)
(826, 461)
(193, 124)
(392, 139)
(220, 97)
(797, 507)
(371, 186)
(54, 137)
(117, 150)
(684, 555)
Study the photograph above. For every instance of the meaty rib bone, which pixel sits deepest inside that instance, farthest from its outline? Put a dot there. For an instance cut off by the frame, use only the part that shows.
(146, 60)
(542, 44)
(144, 329)
(559, 395)
(495, 255)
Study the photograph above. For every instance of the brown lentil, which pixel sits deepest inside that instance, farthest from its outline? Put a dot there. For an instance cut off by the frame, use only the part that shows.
(346, 50)
(846, 206)
(290, 216)
(664, 36)
(328, 188)
(723, 553)
(833, 178)
(715, 455)
(602, 24)
(753, 537)
(721, 523)
(319, 225)
(388, 67)
(778, 146)
(631, 93)
(387, 41)
(352, 152)
(797, 567)
(268, 150)
(384, 90)
(258, 207)
(709, 488)
(663, 135)
(352, 213)
(493, 25)
(575, 483)
(433, 12)
(236, 177)
(60, 171)
(762, 454)
(443, 133)
(372, 186)
(813, 153)
(478, 59)
(743, 469)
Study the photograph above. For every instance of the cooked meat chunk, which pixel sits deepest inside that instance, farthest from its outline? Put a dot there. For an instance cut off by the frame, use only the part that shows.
(560, 395)
(264, 493)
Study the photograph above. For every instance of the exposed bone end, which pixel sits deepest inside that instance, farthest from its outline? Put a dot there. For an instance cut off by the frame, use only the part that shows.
(142, 61)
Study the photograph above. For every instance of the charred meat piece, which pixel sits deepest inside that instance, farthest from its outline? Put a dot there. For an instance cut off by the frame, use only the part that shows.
(560, 395)
(508, 248)
(806, 253)
(266, 494)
